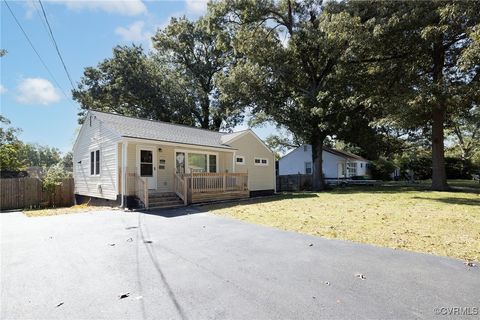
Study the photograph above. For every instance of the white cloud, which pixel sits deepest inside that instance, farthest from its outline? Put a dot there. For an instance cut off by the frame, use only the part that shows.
(197, 6)
(124, 7)
(37, 91)
(134, 32)
(2, 89)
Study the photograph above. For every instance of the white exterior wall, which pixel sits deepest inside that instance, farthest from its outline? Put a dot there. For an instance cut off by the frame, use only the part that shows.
(330, 165)
(294, 163)
(249, 146)
(91, 138)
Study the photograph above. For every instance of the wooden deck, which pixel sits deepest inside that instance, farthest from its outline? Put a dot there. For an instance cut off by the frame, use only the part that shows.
(216, 196)
(205, 187)
(194, 187)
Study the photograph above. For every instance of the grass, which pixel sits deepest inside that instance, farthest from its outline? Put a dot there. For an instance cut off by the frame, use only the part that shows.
(66, 210)
(400, 217)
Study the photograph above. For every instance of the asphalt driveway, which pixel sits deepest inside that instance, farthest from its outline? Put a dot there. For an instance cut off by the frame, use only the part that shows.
(200, 266)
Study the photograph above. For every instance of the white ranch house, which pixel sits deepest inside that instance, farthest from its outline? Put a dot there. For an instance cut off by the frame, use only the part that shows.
(337, 164)
(157, 164)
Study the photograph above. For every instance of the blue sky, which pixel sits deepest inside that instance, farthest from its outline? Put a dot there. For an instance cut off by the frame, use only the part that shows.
(86, 32)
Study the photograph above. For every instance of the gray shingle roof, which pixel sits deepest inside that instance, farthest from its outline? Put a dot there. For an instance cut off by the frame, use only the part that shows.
(345, 154)
(161, 131)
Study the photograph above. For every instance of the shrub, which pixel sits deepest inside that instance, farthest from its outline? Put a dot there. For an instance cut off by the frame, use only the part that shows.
(382, 169)
(54, 177)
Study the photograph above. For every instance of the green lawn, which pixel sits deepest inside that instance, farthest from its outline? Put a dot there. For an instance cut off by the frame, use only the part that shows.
(408, 218)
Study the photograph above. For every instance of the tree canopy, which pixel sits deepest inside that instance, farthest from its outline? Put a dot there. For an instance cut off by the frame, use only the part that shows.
(384, 78)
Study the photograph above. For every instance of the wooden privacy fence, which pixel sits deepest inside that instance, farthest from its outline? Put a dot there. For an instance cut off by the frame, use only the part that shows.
(294, 182)
(20, 193)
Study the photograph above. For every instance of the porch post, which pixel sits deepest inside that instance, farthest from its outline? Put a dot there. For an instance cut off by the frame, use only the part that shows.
(124, 173)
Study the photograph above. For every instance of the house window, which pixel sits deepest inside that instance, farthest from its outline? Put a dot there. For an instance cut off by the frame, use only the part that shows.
(361, 165)
(146, 163)
(352, 169)
(180, 162)
(305, 148)
(195, 162)
(212, 163)
(261, 162)
(240, 159)
(95, 162)
(308, 168)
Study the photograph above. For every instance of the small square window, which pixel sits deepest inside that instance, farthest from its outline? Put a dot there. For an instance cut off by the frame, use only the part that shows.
(261, 162)
(240, 159)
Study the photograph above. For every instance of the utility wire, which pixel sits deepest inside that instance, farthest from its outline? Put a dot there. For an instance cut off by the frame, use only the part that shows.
(41, 18)
(36, 52)
(56, 46)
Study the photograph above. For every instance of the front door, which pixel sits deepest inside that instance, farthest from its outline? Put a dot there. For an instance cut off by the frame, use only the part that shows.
(147, 168)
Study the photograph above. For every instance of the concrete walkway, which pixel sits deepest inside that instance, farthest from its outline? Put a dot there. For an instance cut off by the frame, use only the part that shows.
(189, 265)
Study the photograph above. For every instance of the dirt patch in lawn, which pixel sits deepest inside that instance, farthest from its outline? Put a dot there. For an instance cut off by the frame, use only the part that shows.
(441, 223)
(66, 210)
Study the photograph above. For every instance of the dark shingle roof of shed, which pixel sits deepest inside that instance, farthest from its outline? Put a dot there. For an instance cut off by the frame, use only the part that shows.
(160, 131)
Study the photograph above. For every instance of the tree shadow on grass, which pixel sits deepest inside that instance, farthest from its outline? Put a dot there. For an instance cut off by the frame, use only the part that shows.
(233, 203)
(454, 200)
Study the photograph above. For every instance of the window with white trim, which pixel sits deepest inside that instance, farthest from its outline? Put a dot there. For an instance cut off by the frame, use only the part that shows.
(240, 160)
(308, 168)
(95, 162)
(261, 162)
(188, 162)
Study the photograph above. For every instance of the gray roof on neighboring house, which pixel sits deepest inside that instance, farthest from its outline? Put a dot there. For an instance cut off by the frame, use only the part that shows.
(162, 131)
(345, 154)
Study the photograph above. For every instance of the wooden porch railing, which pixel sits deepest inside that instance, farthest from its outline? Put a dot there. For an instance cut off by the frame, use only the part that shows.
(181, 187)
(217, 182)
(140, 187)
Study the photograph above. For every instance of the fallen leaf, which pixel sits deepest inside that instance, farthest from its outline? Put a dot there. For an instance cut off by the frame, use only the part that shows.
(147, 241)
(310, 245)
(125, 295)
(58, 305)
(111, 244)
(360, 276)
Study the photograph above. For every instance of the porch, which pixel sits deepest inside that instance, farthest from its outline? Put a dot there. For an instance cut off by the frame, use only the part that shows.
(193, 187)
(160, 171)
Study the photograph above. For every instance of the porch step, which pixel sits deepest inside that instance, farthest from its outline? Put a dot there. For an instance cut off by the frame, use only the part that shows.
(160, 200)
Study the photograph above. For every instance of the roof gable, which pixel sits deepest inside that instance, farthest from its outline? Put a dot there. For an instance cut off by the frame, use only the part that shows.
(338, 153)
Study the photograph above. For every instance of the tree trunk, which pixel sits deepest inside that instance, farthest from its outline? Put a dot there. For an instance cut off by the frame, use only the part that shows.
(439, 177)
(205, 105)
(317, 159)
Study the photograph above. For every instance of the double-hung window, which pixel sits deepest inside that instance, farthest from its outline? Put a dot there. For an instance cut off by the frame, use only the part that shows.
(95, 162)
(308, 168)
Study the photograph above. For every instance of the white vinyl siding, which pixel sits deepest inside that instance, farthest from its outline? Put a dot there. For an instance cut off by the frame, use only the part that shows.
(96, 137)
(260, 177)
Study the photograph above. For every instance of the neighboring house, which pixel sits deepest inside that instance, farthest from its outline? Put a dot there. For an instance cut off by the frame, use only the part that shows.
(163, 163)
(337, 164)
